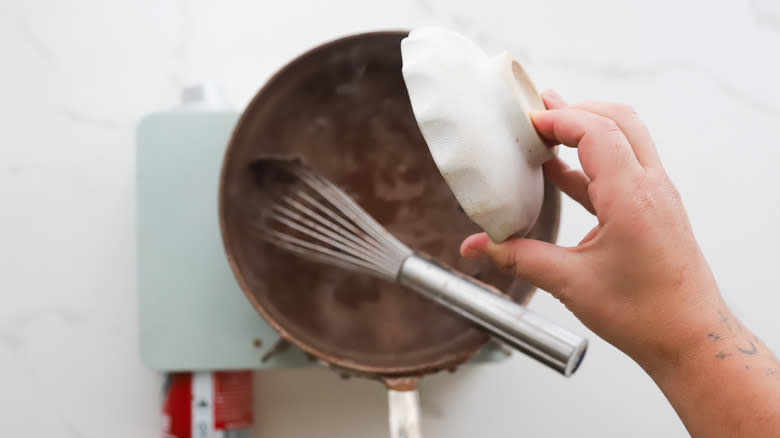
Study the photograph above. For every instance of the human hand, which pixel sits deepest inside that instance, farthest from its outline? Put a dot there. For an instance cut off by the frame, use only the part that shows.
(638, 279)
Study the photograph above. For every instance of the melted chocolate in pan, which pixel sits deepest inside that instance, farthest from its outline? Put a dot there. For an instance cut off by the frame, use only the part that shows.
(343, 109)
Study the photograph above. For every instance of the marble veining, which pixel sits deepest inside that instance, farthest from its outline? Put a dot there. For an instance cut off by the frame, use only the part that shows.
(763, 16)
(82, 118)
(38, 45)
(78, 77)
(766, 13)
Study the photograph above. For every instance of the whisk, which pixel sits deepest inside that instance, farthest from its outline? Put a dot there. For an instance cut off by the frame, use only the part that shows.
(302, 212)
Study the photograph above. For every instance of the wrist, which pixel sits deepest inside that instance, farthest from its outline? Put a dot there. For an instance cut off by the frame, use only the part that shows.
(690, 334)
(724, 381)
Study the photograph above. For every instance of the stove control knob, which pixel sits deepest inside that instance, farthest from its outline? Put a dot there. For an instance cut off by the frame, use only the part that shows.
(206, 95)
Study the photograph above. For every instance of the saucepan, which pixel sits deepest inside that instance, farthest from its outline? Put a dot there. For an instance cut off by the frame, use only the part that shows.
(343, 108)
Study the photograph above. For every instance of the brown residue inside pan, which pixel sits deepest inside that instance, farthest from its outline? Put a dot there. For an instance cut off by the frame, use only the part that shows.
(344, 111)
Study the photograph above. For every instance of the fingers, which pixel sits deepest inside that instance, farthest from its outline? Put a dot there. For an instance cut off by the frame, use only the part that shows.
(604, 151)
(540, 263)
(572, 181)
(553, 100)
(635, 131)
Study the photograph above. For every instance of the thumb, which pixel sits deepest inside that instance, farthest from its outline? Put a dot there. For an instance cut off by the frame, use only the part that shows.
(540, 263)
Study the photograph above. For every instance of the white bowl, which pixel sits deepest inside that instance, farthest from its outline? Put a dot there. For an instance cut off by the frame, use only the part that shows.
(472, 110)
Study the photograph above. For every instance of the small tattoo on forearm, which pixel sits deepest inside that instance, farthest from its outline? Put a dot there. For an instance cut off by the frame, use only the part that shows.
(722, 355)
(751, 350)
(770, 372)
(724, 320)
(713, 337)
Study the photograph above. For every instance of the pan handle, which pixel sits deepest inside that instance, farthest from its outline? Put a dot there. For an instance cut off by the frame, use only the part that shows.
(404, 408)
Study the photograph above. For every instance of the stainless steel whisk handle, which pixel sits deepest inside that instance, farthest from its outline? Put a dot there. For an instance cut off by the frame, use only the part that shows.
(506, 320)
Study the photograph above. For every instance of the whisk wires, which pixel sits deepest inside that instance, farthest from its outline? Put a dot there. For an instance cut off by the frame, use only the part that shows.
(304, 213)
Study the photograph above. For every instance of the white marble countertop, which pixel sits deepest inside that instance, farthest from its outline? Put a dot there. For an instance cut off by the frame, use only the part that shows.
(77, 77)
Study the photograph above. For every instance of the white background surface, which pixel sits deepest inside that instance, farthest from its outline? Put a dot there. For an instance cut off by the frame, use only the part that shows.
(77, 76)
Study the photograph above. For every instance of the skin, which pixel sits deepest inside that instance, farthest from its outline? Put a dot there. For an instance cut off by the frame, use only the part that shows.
(639, 280)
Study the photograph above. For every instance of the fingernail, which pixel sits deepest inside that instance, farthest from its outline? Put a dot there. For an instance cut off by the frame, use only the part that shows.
(553, 95)
(472, 254)
(534, 113)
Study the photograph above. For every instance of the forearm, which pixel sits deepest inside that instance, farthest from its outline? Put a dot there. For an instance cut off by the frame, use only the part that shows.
(729, 385)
